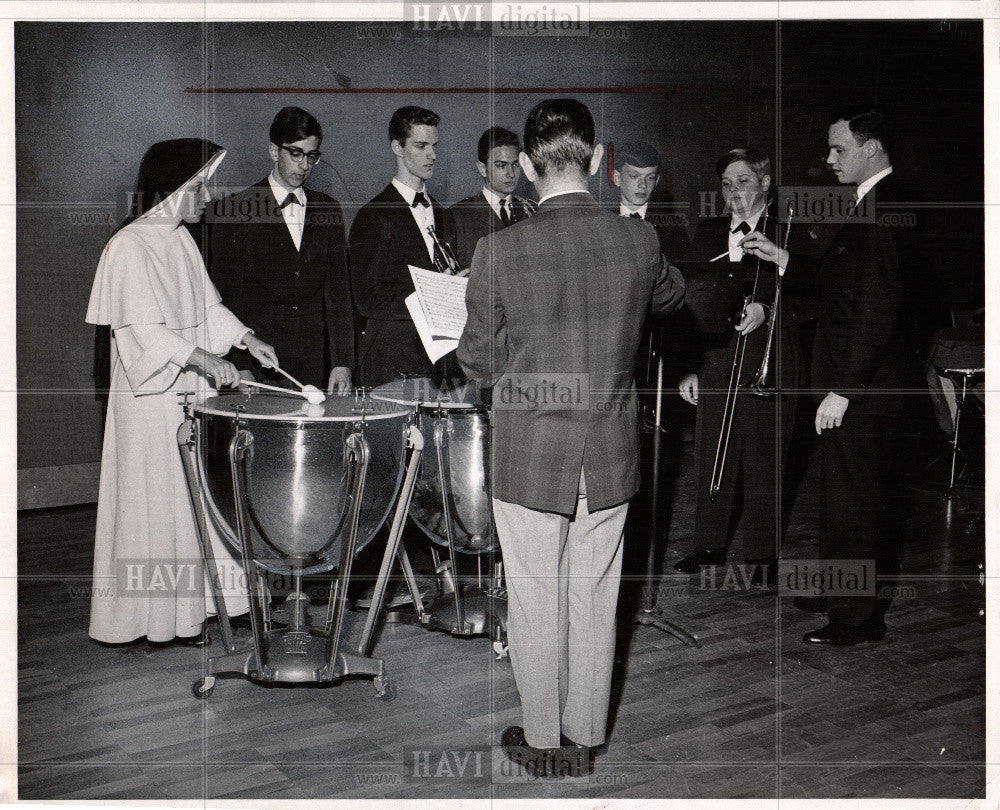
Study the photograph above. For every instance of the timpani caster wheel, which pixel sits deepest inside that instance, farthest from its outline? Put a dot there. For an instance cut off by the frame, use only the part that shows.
(203, 687)
(384, 689)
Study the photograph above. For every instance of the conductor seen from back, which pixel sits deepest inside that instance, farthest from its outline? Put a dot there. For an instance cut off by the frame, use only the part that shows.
(556, 306)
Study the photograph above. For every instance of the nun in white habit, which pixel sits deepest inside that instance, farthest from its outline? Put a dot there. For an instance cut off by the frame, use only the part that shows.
(169, 331)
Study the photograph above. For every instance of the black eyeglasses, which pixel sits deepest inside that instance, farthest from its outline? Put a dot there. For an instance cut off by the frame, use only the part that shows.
(297, 154)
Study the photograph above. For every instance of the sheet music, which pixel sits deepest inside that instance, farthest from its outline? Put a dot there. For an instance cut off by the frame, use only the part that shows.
(442, 299)
(435, 348)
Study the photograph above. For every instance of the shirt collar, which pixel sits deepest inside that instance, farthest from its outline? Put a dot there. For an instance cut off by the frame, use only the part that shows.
(563, 194)
(869, 184)
(494, 199)
(281, 193)
(407, 192)
(750, 221)
(625, 211)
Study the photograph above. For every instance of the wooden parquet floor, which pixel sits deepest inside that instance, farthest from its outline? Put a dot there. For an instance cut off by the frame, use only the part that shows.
(754, 713)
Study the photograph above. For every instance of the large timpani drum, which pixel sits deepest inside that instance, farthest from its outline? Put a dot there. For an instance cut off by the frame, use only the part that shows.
(298, 474)
(451, 504)
(454, 471)
(299, 489)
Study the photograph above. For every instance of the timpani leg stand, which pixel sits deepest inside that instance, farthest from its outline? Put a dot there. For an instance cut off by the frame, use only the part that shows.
(468, 609)
(186, 445)
(394, 549)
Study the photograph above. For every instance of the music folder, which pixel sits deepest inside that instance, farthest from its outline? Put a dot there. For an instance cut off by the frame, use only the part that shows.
(437, 307)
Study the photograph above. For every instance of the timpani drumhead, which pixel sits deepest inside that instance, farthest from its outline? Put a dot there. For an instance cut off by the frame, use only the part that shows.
(415, 391)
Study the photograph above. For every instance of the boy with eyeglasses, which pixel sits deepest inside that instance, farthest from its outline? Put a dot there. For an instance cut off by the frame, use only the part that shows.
(277, 254)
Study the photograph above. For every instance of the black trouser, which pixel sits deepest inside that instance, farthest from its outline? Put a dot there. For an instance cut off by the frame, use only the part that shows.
(857, 465)
(752, 464)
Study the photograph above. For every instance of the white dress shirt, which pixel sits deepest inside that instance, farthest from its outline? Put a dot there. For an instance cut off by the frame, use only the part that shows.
(294, 215)
(735, 251)
(625, 211)
(563, 194)
(869, 184)
(423, 215)
(494, 200)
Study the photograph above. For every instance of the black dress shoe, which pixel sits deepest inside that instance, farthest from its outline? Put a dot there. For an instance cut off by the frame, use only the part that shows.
(241, 622)
(574, 759)
(836, 634)
(235, 622)
(811, 604)
(693, 562)
(764, 573)
(541, 762)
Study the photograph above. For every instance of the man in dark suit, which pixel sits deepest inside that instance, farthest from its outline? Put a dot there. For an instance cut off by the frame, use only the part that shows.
(496, 206)
(555, 308)
(751, 456)
(637, 174)
(277, 255)
(855, 372)
(390, 232)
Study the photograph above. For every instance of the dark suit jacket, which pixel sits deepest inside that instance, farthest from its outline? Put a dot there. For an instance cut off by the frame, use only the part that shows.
(858, 343)
(384, 240)
(297, 300)
(710, 239)
(556, 306)
(471, 219)
(670, 229)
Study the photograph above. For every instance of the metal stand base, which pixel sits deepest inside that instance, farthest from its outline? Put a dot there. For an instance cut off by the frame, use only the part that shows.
(294, 656)
(654, 618)
(484, 613)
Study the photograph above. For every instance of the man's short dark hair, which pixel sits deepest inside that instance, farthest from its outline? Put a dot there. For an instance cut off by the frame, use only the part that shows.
(293, 124)
(406, 118)
(636, 153)
(494, 137)
(559, 133)
(867, 123)
(756, 160)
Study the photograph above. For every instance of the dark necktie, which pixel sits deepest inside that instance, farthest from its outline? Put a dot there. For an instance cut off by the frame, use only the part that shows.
(291, 199)
(743, 228)
(504, 213)
(635, 215)
(419, 199)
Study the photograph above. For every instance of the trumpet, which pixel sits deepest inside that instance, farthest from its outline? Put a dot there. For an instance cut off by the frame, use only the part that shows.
(444, 257)
(763, 384)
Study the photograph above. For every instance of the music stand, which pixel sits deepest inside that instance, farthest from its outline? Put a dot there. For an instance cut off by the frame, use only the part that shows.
(649, 614)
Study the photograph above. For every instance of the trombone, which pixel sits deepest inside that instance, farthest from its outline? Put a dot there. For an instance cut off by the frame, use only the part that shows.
(763, 384)
(722, 445)
(735, 371)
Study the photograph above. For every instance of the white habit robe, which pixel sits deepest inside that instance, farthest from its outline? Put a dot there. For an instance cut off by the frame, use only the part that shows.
(152, 289)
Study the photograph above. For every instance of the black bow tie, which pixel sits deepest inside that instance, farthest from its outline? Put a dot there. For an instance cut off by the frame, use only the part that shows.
(291, 199)
(743, 227)
(635, 215)
(419, 199)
